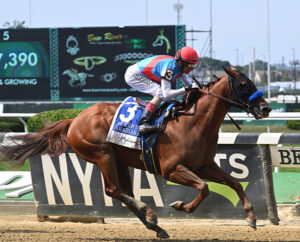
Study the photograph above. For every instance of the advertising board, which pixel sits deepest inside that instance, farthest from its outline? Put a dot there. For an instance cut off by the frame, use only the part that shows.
(67, 185)
(71, 64)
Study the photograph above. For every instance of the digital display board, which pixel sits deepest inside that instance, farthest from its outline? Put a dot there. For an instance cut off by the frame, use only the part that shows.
(24, 64)
(70, 64)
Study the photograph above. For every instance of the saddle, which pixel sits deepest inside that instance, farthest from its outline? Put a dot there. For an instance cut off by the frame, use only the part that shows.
(148, 139)
(124, 128)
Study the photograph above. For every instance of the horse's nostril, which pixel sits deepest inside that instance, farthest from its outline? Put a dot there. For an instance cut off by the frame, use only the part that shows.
(266, 110)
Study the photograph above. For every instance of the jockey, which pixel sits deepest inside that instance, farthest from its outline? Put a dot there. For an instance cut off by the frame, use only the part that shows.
(154, 75)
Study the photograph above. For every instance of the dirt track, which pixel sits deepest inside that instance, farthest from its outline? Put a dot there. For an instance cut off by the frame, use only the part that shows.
(27, 228)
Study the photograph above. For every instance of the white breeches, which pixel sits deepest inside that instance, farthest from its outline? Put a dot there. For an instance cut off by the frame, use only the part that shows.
(141, 83)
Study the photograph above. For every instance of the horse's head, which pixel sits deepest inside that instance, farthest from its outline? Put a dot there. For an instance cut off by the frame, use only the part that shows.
(244, 92)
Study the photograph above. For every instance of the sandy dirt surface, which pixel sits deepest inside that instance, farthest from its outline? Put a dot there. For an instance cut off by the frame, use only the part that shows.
(27, 228)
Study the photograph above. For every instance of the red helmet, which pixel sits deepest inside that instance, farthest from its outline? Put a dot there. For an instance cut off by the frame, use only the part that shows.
(187, 54)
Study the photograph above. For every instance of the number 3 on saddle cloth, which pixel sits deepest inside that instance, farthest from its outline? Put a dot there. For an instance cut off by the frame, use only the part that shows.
(124, 129)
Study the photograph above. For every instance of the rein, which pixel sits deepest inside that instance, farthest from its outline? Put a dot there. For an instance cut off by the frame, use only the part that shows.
(230, 101)
(240, 103)
(226, 100)
(243, 106)
(237, 99)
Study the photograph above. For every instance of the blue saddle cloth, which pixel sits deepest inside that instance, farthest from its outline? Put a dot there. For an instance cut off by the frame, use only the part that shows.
(124, 130)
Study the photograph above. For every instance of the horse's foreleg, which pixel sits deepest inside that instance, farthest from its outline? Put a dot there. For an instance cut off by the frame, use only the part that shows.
(215, 174)
(186, 177)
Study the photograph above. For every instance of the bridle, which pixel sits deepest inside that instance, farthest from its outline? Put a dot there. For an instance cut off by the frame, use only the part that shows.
(234, 101)
(242, 100)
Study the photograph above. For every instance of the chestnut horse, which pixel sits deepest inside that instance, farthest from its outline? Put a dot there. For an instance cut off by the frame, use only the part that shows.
(184, 151)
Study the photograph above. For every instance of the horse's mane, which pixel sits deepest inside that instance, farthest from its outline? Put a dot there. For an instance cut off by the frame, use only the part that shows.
(192, 96)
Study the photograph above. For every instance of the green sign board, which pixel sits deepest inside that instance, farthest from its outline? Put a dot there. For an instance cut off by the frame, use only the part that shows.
(61, 64)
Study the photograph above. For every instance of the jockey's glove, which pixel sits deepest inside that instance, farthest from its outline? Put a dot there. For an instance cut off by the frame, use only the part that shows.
(187, 88)
(191, 86)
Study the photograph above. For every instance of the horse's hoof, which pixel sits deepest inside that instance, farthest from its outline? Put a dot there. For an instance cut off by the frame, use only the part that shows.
(251, 223)
(162, 234)
(178, 205)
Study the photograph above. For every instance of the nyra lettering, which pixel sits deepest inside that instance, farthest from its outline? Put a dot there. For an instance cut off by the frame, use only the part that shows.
(236, 161)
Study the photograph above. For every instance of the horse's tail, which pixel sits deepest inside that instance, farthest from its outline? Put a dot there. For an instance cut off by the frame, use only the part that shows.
(52, 139)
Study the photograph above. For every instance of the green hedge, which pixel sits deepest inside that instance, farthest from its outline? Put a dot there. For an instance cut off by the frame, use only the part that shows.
(38, 121)
(294, 124)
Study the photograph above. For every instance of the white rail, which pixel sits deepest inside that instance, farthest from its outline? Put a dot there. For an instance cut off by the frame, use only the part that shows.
(272, 116)
(20, 116)
(16, 115)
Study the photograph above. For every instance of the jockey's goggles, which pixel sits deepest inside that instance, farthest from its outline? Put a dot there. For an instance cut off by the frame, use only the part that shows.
(190, 65)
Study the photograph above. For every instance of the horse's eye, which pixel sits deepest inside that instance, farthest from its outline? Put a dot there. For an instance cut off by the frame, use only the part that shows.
(244, 86)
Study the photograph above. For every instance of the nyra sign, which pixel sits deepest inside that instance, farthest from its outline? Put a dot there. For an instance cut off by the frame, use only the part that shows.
(68, 185)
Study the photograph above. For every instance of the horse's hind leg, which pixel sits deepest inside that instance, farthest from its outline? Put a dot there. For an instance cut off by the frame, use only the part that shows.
(90, 144)
(126, 186)
(145, 214)
(118, 185)
(215, 174)
(124, 178)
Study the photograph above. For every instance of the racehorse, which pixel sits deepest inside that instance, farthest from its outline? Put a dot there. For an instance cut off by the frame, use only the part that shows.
(184, 150)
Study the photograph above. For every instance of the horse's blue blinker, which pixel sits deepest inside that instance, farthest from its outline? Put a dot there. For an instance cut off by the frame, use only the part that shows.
(256, 95)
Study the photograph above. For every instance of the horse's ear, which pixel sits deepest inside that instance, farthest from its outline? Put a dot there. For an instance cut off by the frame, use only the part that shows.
(232, 68)
(229, 72)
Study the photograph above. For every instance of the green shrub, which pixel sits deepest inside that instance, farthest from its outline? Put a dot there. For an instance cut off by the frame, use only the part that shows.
(294, 124)
(38, 121)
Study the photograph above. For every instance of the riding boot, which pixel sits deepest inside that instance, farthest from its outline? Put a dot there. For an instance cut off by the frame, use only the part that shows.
(144, 124)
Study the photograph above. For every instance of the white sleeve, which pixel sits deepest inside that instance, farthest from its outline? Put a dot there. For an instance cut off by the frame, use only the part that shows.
(185, 79)
(167, 92)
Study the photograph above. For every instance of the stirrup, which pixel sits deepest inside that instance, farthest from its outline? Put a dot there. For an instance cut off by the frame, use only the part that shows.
(146, 128)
